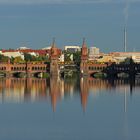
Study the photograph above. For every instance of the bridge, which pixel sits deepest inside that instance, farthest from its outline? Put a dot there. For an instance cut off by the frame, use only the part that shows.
(113, 69)
(29, 68)
(132, 69)
(96, 68)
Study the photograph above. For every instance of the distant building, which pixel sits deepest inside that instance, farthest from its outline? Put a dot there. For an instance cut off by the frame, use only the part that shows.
(72, 49)
(12, 53)
(35, 52)
(121, 56)
(136, 59)
(23, 48)
(106, 59)
(94, 51)
(46, 48)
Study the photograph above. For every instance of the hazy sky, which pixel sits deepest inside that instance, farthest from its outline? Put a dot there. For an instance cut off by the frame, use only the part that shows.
(33, 23)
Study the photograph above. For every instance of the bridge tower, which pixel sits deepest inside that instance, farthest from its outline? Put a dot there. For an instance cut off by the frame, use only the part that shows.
(54, 68)
(84, 59)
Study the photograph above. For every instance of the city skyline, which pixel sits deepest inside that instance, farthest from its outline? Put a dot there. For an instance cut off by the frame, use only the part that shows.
(34, 24)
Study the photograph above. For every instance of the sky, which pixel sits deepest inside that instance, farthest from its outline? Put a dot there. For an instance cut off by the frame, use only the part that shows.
(34, 23)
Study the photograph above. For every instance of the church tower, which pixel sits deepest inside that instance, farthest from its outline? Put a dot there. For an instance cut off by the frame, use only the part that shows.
(84, 59)
(54, 54)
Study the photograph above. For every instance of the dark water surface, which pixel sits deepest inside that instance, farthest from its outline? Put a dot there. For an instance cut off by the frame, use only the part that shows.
(70, 109)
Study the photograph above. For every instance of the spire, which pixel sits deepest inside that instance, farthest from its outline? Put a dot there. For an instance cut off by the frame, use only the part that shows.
(84, 43)
(53, 43)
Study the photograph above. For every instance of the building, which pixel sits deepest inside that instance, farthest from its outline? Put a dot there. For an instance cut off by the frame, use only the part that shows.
(106, 59)
(61, 58)
(121, 56)
(72, 49)
(94, 53)
(23, 48)
(12, 53)
(46, 48)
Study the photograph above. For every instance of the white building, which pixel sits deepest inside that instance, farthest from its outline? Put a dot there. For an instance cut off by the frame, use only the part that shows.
(12, 54)
(23, 48)
(61, 58)
(94, 51)
(47, 48)
(72, 48)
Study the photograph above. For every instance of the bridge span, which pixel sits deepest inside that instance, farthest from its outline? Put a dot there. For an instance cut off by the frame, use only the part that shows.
(29, 68)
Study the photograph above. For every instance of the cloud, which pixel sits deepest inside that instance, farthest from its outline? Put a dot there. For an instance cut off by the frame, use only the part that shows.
(61, 1)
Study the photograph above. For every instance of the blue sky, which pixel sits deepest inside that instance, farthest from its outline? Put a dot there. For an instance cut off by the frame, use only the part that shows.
(34, 23)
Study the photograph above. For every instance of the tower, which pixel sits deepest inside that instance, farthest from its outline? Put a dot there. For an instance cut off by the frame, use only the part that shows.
(84, 59)
(54, 68)
(125, 39)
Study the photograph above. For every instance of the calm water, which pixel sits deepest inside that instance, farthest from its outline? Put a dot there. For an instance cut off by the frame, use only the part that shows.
(70, 109)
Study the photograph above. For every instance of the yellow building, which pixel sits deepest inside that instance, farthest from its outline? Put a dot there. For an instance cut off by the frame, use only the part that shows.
(105, 59)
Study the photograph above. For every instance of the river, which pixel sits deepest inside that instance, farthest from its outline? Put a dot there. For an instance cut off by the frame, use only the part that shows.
(69, 109)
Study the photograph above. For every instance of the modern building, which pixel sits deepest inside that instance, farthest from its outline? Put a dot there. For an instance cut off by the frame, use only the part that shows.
(94, 51)
(72, 49)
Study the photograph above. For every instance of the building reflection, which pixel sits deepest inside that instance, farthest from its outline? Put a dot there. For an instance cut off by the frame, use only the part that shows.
(55, 90)
(84, 92)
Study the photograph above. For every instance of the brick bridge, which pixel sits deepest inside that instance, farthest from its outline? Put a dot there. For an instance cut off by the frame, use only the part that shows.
(88, 68)
(29, 68)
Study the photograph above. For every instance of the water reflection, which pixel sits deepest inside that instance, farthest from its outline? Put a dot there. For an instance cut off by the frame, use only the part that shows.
(55, 90)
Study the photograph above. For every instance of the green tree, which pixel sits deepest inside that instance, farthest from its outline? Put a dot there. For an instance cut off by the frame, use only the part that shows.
(3, 58)
(18, 59)
(67, 56)
(29, 57)
(128, 61)
(77, 58)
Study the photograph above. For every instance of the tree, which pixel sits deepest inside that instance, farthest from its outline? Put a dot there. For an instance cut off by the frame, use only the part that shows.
(77, 58)
(128, 61)
(67, 56)
(3, 58)
(29, 57)
(18, 59)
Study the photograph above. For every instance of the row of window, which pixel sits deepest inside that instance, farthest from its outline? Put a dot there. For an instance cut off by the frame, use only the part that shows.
(123, 68)
(24, 68)
(97, 68)
(2, 68)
